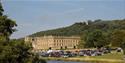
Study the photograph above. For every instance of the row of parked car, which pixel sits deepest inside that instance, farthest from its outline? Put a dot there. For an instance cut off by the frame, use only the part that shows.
(63, 53)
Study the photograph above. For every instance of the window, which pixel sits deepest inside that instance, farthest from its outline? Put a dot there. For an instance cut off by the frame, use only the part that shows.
(65, 47)
(61, 47)
(33, 39)
(74, 47)
(50, 48)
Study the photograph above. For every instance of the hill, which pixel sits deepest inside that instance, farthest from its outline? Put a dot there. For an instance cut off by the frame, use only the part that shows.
(80, 28)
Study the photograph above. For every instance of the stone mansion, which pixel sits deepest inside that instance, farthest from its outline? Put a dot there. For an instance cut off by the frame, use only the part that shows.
(53, 42)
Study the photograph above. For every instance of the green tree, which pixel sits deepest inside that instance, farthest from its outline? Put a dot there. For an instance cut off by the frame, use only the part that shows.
(1, 9)
(17, 51)
(96, 39)
(14, 51)
(81, 43)
(89, 41)
(6, 25)
(118, 39)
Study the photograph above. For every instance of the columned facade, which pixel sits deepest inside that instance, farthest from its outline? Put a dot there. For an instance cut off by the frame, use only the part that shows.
(53, 42)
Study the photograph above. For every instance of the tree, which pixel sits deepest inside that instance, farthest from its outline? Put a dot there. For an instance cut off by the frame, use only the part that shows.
(97, 20)
(1, 9)
(89, 22)
(17, 51)
(96, 39)
(118, 39)
(6, 25)
(81, 43)
(89, 41)
(14, 51)
(123, 47)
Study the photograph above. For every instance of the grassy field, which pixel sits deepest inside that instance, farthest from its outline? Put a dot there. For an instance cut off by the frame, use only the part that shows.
(113, 57)
(106, 58)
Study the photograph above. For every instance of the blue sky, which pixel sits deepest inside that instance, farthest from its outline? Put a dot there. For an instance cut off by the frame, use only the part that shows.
(39, 15)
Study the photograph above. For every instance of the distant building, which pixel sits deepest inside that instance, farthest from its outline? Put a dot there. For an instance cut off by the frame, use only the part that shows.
(53, 42)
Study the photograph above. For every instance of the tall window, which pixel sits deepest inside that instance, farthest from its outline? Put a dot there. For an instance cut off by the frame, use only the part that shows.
(65, 47)
(50, 48)
(61, 47)
(33, 39)
(74, 47)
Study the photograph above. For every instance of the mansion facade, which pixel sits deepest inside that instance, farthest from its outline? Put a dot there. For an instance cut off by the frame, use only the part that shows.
(53, 42)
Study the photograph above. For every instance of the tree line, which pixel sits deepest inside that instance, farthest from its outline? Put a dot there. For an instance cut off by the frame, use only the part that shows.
(82, 27)
(97, 33)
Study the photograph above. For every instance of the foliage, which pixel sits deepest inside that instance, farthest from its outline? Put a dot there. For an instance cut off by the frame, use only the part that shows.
(118, 38)
(17, 52)
(13, 51)
(90, 37)
(82, 42)
(87, 31)
(96, 39)
(80, 28)
(123, 47)
(6, 25)
(1, 9)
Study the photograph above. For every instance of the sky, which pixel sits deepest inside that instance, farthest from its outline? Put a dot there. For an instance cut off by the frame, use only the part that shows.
(39, 15)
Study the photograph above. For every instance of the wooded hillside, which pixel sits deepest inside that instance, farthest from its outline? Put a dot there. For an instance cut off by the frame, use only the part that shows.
(80, 28)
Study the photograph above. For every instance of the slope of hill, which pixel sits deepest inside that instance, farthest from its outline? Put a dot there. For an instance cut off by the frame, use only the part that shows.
(81, 27)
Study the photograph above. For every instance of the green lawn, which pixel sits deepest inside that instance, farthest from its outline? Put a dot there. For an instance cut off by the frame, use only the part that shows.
(113, 57)
(110, 56)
